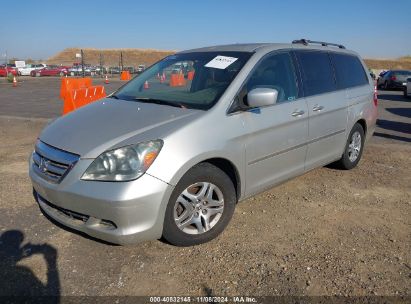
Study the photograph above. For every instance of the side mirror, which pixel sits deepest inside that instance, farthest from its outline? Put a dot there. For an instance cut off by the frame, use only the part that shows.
(261, 97)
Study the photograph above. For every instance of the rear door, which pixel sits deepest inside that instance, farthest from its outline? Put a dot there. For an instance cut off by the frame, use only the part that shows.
(327, 108)
(276, 135)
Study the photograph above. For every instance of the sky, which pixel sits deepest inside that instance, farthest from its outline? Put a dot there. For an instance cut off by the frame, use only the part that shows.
(39, 29)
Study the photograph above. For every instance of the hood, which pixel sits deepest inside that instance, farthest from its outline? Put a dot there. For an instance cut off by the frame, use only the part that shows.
(95, 128)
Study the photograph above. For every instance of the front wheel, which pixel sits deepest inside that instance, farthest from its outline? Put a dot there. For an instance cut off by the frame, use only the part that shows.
(200, 206)
(353, 148)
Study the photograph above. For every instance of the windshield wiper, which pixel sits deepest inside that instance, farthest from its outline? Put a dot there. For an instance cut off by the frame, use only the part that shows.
(113, 96)
(160, 101)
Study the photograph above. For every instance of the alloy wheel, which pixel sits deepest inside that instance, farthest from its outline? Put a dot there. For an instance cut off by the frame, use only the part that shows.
(354, 147)
(198, 208)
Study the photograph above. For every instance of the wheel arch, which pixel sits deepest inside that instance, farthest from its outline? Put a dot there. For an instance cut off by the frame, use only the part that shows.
(228, 168)
(363, 124)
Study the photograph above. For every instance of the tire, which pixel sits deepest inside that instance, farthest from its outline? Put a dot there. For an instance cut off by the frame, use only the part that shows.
(192, 216)
(348, 161)
(61, 74)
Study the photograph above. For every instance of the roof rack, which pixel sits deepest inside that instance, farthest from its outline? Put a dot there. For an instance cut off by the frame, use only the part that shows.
(306, 42)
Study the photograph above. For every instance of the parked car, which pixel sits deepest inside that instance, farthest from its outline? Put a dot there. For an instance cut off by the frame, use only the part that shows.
(174, 161)
(77, 70)
(26, 71)
(114, 70)
(407, 89)
(5, 71)
(51, 70)
(131, 69)
(141, 68)
(394, 79)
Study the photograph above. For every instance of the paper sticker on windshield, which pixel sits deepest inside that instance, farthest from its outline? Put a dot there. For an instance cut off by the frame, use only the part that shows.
(220, 62)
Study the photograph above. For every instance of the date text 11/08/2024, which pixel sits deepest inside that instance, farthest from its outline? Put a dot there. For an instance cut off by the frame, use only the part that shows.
(203, 299)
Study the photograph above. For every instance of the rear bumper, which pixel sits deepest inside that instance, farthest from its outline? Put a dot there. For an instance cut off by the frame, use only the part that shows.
(397, 84)
(116, 212)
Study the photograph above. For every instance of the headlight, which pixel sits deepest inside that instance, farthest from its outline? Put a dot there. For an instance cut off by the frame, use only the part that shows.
(123, 164)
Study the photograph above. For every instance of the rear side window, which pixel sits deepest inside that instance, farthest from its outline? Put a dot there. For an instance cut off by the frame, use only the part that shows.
(403, 73)
(317, 72)
(348, 70)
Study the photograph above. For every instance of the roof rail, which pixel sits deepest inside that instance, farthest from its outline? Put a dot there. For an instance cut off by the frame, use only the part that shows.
(306, 42)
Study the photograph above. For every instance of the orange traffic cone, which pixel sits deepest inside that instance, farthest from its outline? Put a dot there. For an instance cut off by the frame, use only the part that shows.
(14, 81)
(106, 81)
(146, 85)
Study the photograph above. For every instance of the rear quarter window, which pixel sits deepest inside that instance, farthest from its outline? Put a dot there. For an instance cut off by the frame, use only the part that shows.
(317, 72)
(348, 70)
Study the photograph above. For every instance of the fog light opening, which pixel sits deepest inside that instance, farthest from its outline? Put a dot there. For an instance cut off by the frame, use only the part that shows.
(108, 224)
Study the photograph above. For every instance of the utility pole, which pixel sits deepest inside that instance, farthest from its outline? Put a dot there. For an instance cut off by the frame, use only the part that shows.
(82, 63)
(101, 65)
(121, 61)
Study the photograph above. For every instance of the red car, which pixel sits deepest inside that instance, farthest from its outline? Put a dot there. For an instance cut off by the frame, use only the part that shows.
(50, 70)
(5, 70)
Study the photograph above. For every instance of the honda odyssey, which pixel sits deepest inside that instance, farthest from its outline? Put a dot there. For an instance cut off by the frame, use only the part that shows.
(170, 154)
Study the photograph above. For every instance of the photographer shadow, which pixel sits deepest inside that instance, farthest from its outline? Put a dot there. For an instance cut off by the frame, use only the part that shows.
(20, 281)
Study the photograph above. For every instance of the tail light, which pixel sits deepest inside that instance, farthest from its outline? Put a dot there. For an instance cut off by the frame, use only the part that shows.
(393, 78)
(375, 97)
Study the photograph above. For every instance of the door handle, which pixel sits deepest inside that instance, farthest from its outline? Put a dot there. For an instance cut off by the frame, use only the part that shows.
(317, 108)
(297, 113)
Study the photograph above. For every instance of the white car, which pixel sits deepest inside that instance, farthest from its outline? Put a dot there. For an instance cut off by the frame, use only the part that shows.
(30, 67)
(407, 89)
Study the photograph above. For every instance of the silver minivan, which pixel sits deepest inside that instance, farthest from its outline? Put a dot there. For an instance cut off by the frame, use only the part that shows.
(170, 154)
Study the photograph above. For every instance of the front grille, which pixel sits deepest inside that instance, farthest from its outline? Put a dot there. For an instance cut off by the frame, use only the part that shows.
(51, 163)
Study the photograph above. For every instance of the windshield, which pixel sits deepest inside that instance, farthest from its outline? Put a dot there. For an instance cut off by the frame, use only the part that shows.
(192, 80)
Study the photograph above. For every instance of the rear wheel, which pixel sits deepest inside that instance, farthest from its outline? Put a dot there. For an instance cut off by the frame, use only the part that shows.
(353, 148)
(200, 206)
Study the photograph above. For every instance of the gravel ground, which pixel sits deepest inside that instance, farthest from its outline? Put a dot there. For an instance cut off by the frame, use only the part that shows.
(327, 232)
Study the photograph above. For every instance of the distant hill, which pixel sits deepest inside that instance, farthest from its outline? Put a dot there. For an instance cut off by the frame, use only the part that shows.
(134, 57)
(111, 57)
(402, 63)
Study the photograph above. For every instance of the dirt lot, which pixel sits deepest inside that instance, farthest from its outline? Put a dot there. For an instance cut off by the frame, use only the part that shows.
(328, 232)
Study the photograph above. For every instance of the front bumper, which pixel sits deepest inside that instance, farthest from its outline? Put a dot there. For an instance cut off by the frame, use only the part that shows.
(117, 212)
